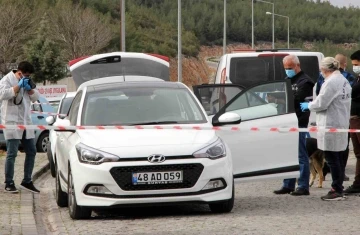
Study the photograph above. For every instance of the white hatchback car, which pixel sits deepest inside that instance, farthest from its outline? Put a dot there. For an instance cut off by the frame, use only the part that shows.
(110, 168)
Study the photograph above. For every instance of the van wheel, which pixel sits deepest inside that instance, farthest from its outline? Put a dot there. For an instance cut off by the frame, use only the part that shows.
(224, 206)
(61, 197)
(42, 143)
(75, 211)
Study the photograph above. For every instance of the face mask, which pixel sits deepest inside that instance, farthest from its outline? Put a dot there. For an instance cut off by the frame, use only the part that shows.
(290, 73)
(356, 69)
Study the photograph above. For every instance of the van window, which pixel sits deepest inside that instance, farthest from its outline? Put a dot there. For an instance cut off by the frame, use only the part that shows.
(248, 71)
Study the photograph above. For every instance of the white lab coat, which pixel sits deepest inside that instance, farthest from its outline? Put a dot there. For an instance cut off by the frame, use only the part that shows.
(332, 107)
(12, 114)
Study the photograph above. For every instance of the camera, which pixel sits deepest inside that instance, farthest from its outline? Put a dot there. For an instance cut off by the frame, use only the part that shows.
(32, 84)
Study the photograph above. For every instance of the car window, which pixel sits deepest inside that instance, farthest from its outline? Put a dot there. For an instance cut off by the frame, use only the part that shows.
(246, 70)
(74, 109)
(133, 105)
(36, 107)
(65, 105)
(261, 101)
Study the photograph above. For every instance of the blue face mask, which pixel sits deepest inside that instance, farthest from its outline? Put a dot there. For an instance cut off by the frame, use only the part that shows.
(290, 73)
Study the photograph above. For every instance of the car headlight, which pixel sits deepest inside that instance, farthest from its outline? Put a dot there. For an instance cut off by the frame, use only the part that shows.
(93, 156)
(213, 151)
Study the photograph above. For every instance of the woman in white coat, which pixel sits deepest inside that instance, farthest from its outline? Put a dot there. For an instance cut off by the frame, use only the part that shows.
(332, 107)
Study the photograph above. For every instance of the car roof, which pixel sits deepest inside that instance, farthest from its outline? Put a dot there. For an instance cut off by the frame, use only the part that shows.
(70, 94)
(119, 79)
(143, 84)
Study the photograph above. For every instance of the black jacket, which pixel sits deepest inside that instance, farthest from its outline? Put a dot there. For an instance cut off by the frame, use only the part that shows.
(355, 98)
(302, 87)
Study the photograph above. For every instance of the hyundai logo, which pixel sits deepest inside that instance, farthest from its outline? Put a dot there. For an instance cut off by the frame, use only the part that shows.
(156, 158)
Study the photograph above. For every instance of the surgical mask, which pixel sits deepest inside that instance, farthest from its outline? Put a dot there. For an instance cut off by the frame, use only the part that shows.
(356, 69)
(290, 73)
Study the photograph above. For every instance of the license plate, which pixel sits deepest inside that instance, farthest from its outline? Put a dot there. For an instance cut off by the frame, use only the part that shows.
(165, 177)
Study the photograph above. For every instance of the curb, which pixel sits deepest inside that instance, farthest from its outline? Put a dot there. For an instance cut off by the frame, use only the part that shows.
(43, 169)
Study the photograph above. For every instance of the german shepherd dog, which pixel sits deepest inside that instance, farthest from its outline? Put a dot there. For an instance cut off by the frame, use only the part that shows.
(317, 161)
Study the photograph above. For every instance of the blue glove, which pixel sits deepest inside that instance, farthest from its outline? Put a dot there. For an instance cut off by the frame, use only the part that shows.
(304, 106)
(27, 87)
(21, 83)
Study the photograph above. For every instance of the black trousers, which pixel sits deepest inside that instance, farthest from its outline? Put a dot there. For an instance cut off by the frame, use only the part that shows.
(344, 156)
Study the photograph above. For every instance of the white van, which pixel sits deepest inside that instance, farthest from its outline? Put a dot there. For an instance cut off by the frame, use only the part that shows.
(246, 68)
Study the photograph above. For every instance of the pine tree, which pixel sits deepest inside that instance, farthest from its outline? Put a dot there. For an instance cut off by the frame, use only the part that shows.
(45, 55)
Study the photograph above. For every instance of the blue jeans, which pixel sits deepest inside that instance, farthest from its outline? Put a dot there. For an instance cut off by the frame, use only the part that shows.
(303, 181)
(12, 146)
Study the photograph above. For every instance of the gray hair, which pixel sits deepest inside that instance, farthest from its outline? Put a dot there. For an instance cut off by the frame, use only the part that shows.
(330, 64)
(292, 58)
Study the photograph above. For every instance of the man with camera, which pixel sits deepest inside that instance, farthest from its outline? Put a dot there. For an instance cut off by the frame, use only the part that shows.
(16, 92)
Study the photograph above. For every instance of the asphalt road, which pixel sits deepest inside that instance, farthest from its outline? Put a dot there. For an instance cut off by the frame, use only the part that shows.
(257, 211)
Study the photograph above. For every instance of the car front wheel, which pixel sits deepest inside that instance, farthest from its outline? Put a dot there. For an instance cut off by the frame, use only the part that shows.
(75, 211)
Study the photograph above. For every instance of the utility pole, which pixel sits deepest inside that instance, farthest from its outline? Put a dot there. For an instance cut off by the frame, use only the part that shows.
(122, 25)
(179, 42)
(224, 37)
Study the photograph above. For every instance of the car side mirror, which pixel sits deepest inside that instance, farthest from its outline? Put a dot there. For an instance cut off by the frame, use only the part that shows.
(227, 119)
(50, 120)
(63, 123)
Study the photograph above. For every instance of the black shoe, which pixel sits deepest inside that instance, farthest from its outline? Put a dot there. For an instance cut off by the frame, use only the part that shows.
(346, 178)
(352, 190)
(300, 192)
(333, 196)
(10, 188)
(283, 191)
(30, 187)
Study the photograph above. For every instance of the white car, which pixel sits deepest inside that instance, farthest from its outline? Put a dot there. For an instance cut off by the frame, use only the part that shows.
(62, 111)
(109, 168)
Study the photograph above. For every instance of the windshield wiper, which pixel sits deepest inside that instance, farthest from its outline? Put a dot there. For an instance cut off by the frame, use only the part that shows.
(154, 123)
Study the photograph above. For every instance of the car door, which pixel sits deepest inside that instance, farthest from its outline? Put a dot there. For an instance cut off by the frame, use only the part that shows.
(259, 153)
(63, 143)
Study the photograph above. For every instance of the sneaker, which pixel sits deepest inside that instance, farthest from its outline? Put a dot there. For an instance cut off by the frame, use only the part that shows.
(283, 191)
(10, 188)
(300, 192)
(30, 187)
(333, 196)
(352, 190)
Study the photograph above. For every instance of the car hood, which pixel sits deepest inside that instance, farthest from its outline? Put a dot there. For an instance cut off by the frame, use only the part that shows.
(140, 143)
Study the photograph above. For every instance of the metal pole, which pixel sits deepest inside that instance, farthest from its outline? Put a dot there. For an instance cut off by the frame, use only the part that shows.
(288, 32)
(273, 27)
(179, 42)
(123, 25)
(252, 24)
(224, 37)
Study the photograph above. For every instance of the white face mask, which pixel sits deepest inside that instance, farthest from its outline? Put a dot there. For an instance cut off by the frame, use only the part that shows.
(356, 69)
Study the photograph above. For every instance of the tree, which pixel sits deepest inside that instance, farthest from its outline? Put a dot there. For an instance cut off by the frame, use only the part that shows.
(45, 55)
(81, 31)
(15, 27)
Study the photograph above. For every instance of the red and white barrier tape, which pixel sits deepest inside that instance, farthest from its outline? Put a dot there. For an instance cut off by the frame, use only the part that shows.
(171, 127)
(49, 113)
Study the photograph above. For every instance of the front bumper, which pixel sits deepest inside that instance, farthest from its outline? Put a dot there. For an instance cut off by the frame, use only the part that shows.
(85, 175)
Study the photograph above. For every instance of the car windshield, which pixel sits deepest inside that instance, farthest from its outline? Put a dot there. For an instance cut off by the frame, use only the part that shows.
(65, 105)
(140, 106)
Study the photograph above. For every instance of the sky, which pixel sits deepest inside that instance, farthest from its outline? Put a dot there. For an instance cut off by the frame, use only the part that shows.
(345, 3)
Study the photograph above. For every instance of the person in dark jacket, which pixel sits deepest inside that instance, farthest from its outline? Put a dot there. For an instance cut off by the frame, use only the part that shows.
(302, 87)
(351, 79)
(355, 122)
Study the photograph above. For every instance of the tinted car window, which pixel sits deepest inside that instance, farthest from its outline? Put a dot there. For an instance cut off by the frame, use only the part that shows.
(65, 105)
(248, 71)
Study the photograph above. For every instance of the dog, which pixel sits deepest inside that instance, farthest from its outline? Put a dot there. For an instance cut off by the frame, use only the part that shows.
(317, 161)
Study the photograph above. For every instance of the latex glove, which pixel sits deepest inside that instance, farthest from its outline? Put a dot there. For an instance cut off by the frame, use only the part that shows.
(304, 106)
(21, 83)
(27, 87)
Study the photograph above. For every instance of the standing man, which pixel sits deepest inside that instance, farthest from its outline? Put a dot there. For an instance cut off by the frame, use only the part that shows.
(355, 122)
(16, 93)
(351, 79)
(302, 87)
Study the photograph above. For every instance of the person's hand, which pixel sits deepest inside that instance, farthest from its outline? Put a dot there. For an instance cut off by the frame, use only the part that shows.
(304, 106)
(27, 87)
(22, 82)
